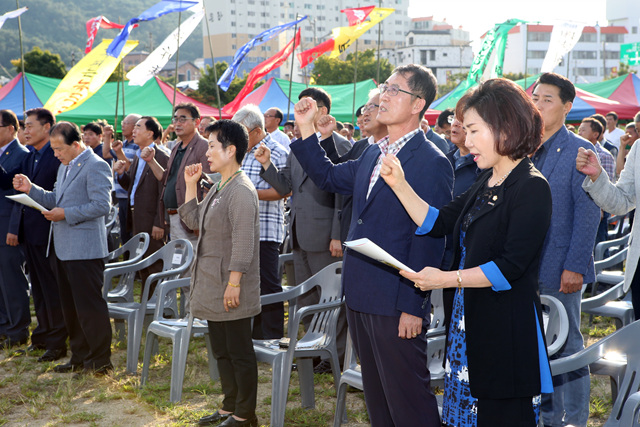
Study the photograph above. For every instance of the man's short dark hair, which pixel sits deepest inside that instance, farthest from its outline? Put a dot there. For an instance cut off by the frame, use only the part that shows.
(567, 89)
(595, 124)
(289, 124)
(339, 126)
(70, 132)
(229, 133)
(443, 118)
(278, 113)
(511, 115)
(93, 127)
(601, 119)
(9, 119)
(21, 124)
(318, 95)
(152, 124)
(613, 114)
(421, 81)
(359, 111)
(350, 126)
(43, 115)
(193, 109)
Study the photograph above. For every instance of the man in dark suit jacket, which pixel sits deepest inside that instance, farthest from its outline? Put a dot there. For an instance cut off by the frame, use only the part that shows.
(30, 228)
(77, 208)
(567, 255)
(14, 288)
(144, 191)
(387, 315)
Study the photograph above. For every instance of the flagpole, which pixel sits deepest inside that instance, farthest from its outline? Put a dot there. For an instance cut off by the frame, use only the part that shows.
(115, 119)
(355, 79)
(526, 55)
(213, 63)
(24, 97)
(379, 31)
(293, 58)
(175, 81)
(124, 114)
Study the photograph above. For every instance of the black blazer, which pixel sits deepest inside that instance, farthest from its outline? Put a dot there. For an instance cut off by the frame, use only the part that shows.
(502, 344)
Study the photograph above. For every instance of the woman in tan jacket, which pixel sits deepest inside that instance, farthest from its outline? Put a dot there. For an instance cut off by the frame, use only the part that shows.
(225, 285)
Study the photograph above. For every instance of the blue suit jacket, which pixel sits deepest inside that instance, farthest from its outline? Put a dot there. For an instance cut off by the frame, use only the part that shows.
(575, 217)
(12, 157)
(369, 286)
(85, 196)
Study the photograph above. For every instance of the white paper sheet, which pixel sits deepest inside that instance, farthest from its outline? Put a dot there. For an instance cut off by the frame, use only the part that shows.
(370, 249)
(27, 201)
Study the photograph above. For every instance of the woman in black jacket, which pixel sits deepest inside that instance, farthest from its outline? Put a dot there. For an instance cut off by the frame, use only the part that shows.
(497, 364)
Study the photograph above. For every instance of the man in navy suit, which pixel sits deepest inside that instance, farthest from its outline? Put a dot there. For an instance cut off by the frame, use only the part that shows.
(387, 315)
(31, 229)
(567, 260)
(14, 298)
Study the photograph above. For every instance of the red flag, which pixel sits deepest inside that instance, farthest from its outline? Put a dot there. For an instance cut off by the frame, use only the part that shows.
(356, 15)
(310, 55)
(260, 71)
(92, 29)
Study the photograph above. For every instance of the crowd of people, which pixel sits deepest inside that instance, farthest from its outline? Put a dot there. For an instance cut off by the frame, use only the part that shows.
(498, 204)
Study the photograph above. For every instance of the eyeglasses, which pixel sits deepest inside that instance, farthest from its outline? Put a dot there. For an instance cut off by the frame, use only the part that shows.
(369, 107)
(181, 119)
(393, 90)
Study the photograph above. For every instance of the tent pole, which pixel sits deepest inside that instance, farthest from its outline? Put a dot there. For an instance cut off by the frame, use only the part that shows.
(526, 55)
(122, 69)
(355, 80)
(115, 119)
(175, 80)
(379, 31)
(293, 58)
(24, 96)
(213, 62)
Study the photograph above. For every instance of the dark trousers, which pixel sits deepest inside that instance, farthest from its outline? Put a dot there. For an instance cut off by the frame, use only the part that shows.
(394, 372)
(269, 324)
(51, 332)
(123, 212)
(635, 293)
(85, 311)
(233, 349)
(15, 317)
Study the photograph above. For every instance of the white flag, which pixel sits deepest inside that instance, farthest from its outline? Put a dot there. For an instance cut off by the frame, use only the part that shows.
(564, 37)
(12, 14)
(161, 55)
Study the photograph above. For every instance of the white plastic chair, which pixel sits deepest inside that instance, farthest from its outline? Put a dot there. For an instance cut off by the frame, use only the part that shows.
(135, 249)
(556, 323)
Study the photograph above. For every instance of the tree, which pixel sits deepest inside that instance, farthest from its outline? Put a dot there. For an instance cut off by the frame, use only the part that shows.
(42, 63)
(207, 86)
(335, 71)
(623, 69)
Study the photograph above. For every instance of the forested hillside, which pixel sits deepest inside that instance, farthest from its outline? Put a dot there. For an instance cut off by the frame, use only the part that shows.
(60, 27)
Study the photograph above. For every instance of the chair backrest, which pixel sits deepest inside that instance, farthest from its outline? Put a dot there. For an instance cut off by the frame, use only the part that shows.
(176, 256)
(164, 291)
(611, 261)
(134, 249)
(620, 226)
(111, 217)
(556, 323)
(623, 342)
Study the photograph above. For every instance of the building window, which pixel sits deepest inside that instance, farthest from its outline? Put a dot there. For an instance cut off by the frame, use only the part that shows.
(188, 74)
(233, 35)
(634, 30)
(613, 38)
(233, 12)
(608, 71)
(586, 71)
(233, 23)
(584, 54)
(308, 6)
(588, 38)
(264, 14)
(536, 54)
(532, 71)
(538, 37)
(251, 25)
(611, 54)
(423, 57)
(251, 13)
(410, 41)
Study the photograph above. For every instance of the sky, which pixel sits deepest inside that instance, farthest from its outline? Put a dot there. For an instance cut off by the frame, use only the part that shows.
(478, 16)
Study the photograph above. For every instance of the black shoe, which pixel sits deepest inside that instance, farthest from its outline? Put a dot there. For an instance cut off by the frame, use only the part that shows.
(232, 422)
(51, 355)
(323, 367)
(99, 372)
(213, 419)
(67, 367)
(8, 343)
(35, 347)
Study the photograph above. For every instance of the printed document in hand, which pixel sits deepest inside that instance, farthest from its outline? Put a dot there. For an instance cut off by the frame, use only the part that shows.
(27, 201)
(370, 249)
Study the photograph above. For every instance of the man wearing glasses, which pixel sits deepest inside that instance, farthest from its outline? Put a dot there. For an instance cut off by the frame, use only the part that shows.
(272, 119)
(191, 149)
(387, 315)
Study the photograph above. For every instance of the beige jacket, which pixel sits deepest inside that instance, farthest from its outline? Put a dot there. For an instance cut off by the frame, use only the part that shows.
(229, 241)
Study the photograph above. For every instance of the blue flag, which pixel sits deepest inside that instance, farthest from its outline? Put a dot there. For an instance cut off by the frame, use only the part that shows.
(155, 11)
(225, 80)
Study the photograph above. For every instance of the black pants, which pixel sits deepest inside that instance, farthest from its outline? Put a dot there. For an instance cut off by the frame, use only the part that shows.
(85, 311)
(635, 293)
(233, 349)
(51, 332)
(15, 317)
(269, 324)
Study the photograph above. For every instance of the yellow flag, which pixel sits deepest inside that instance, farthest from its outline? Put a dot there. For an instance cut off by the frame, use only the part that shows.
(344, 36)
(86, 78)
